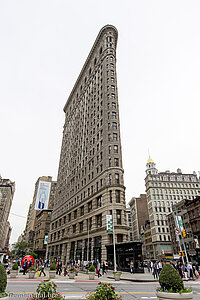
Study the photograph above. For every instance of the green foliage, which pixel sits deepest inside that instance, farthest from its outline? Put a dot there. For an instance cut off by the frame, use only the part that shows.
(52, 267)
(184, 290)
(169, 279)
(47, 290)
(21, 245)
(104, 291)
(33, 254)
(32, 268)
(3, 279)
(92, 268)
(15, 266)
(2, 295)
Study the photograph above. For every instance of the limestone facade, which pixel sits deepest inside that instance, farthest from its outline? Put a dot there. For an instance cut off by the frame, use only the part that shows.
(90, 177)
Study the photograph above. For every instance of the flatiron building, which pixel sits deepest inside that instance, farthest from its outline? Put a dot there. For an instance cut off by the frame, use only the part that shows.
(90, 176)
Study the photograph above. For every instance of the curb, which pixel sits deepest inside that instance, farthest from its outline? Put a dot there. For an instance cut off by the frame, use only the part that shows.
(135, 280)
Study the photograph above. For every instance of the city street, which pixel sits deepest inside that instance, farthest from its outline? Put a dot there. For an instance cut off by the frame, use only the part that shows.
(75, 289)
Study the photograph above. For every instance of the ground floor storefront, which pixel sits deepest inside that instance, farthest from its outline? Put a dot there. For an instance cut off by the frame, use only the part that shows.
(126, 253)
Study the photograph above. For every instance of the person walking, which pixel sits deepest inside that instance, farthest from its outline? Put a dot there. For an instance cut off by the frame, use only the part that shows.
(179, 269)
(184, 268)
(99, 269)
(42, 270)
(159, 267)
(154, 271)
(60, 267)
(25, 266)
(131, 267)
(190, 270)
(104, 268)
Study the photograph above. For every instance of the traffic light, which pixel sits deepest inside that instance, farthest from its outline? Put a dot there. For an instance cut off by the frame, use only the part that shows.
(184, 233)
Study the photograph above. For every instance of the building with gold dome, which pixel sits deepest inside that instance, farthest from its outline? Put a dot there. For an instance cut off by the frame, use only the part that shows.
(164, 189)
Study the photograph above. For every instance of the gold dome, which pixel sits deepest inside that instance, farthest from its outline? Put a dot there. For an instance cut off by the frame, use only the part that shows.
(150, 160)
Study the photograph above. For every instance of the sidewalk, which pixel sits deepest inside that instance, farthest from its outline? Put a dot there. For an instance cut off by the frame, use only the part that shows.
(83, 277)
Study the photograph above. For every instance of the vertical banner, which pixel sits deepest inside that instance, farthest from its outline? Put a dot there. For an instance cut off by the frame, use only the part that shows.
(109, 223)
(196, 243)
(180, 223)
(42, 199)
(46, 240)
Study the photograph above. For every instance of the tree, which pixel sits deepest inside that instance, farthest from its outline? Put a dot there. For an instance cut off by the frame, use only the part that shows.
(21, 246)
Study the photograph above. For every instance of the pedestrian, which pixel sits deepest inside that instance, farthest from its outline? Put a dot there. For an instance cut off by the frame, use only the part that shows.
(131, 267)
(99, 269)
(179, 269)
(159, 267)
(25, 265)
(30, 263)
(104, 268)
(42, 270)
(154, 271)
(59, 267)
(184, 268)
(148, 265)
(190, 270)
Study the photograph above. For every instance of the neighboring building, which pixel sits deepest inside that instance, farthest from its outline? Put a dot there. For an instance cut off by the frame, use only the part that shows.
(7, 189)
(180, 210)
(164, 189)
(193, 208)
(29, 231)
(90, 176)
(139, 213)
(129, 224)
(43, 219)
(147, 249)
(7, 235)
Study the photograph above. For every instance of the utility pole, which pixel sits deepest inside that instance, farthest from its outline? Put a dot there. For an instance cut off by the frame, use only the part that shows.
(88, 245)
(113, 229)
(179, 241)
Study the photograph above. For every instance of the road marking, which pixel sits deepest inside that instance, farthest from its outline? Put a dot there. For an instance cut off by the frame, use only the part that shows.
(148, 297)
(67, 281)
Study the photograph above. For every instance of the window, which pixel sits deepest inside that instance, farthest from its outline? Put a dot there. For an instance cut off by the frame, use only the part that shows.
(82, 210)
(116, 178)
(69, 217)
(110, 178)
(114, 125)
(114, 136)
(89, 223)
(117, 196)
(113, 96)
(112, 87)
(89, 206)
(119, 238)
(115, 149)
(110, 196)
(74, 228)
(116, 162)
(99, 220)
(64, 219)
(110, 162)
(109, 149)
(81, 226)
(75, 214)
(119, 221)
(99, 201)
(114, 115)
(113, 105)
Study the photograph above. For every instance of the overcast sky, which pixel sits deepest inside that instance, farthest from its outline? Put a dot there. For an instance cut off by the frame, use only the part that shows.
(43, 46)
